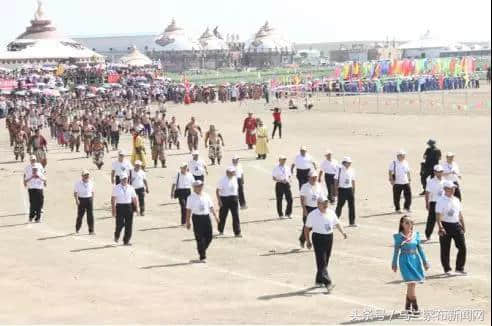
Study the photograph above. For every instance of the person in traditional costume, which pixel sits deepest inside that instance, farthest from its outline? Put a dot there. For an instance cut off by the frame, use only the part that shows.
(39, 147)
(75, 130)
(262, 141)
(138, 148)
(214, 142)
(98, 145)
(249, 128)
(88, 135)
(20, 140)
(192, 131)
(158, 140)
(174, 133)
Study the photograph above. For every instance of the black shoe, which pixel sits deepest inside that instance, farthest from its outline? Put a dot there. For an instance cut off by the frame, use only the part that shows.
(116, 239)
(422, 193)
(128, 244)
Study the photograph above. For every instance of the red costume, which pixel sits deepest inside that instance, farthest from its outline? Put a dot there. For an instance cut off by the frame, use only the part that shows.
(249, 127)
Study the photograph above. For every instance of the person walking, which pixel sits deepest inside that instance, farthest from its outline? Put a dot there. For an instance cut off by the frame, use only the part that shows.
(197, 167)
(322, 221)
(451, 172)
(249, 129)
(400, 179)
(433, 191)
(181, 189)
(227, 197)
(119, 167)
(303, 163)
(345, 189)
(35, 183)
(432, 157)
(409, 255)
(310, 192)
(281, 175)
(277, 122)
(451, 227)
(240, 181)
(84, 199)
(123, 201)
(329, 168)
(199, 205)
(140, 184)
(262, 141)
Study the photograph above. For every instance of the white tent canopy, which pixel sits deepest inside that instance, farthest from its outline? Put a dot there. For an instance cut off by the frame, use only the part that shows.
(135, 58)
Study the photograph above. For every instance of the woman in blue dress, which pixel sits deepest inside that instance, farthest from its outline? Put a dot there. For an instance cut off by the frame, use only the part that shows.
(410, 256)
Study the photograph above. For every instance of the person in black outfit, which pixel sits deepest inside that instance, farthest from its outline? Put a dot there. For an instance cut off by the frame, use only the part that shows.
(432, 156)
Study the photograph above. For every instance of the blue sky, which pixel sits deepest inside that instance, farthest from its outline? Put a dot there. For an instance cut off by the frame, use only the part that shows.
(298, 20)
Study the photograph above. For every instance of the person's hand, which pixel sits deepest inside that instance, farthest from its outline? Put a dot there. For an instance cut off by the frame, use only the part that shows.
(304, 211)
(426, 206)
(345, 236)
(463, 228)
(309, 245)
(147, 191)
(394, 268)
(77, 202)
(219, 202)
(426, 266)
(442, 232)
(113, 213)
(392, 182)
(188, 225)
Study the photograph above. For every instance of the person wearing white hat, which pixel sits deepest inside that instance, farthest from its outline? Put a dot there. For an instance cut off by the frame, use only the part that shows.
(345, 189)
(84, 199)
(329, 168)
(227, 197)
(181, 189)
(197, 167)
(400, 179)
(303, 163)
(35, 183)
(452, 173)
(433, 190)
(123, 202)
(214, 142)
(451, 227)
(322, 221)
(28, 169)
(199, 206)
(310, 192)
(281, 175)
(240, 181)
(119, 167)
(140, 184)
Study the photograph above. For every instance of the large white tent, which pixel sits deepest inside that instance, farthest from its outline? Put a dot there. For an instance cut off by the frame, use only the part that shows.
(135, 58)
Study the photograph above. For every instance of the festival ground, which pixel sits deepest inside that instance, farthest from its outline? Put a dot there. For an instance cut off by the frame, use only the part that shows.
(50, 276)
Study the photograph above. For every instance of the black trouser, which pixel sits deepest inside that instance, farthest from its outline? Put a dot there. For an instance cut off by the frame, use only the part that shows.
(36, 201)
(330, 186)
(141, 199)
(322, 244)
(407, 194)
(202, 227)
(281, 190)
(302, 176)
(424, 174)
(85, 206)
(431, 219)
(309, 209)
(124, 219)
(117, 180)
(240, 192)
(182, 195)
(115, 138)
(454, 231)
(277, 125)
(346, 194)
(199, 178)
(457, 191)
(229, 203)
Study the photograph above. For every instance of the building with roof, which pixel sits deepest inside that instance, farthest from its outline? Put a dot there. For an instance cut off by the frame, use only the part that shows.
(135, 58)
(42, 44)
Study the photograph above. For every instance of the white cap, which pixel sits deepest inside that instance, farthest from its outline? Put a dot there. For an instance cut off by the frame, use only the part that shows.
(195, 153)
(322, 199)
(401, 152)
(138, 162)
(328, 151)
(303, 148)
(32, 157)
(124, 175)
(235, 157)
(282, 157)
(448, 184)
(438, 168)
(450, 154)
(312, 173)
(231, 169)
(85, 172)
(183, 165)
(197, 183)
(121, 152)
(347, 159)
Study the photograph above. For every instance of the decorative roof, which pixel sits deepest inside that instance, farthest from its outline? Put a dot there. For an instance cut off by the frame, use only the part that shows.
(135, 58)
(426, 41)
(41, 40)
(174, 38)
(211, 42)
(268, 39)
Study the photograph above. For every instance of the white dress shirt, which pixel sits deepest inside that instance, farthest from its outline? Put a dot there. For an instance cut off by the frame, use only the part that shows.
(312, 193)
(121, 167)
(28, 169)
(434, 188)
(197, 167)
(184, 181)
(36, 183)
(199, 204)
(322, 223)
(124, 194)
(345, 177)
(451, 171)
(449, 208)
(239, 171)
(400, 170)
(330, 167)
(84, 189)
(138, 178)
(304, 162)
(228, 186)
(281, 173)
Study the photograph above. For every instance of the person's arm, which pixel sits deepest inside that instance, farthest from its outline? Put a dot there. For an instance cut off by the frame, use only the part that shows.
(75, 195)
(146, 186)
(212, 210)
(188, 217)
(442, 231)
(113, 206)
(303, 205)
(422, 255)
(462, 222)
(320, 175)
(112, 176)
(292, 168)
(219, 201)
(221, 139)
(307, 231)
(341, 230)
(135, 203)
(409, 175)
(390, 178)
(427, 199)
(353, 187)
(314, 165)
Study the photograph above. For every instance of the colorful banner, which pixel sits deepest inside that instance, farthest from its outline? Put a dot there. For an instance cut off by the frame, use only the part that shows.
(113, 78)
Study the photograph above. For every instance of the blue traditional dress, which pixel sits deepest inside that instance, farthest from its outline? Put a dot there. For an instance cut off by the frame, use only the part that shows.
(409, 255)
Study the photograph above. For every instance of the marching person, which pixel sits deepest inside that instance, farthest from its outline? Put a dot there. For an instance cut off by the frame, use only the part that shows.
(400, 179)
(214, 142)
(249, 129)
(277, 122)
(310, 192)
(119, 167)
(303, 163)
(192, 130)
(451, 227)
(199, 205)
(261, 141)
(138, 146)
(433, 191)
(197, 167)
(345, 189)
(227, 197)
(409, 255)
(322, 222)
(35, 183)
(38, 146)
(84, 199)
(329, 168)
(28, 169)
(240, 181)
(432, 156)
(181, 189)
(123, 200)
(139, 183)
(282, 175)
(451, 172)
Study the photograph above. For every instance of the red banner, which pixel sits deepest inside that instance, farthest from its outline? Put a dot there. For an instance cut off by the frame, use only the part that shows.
(113, 78)
(8, 84)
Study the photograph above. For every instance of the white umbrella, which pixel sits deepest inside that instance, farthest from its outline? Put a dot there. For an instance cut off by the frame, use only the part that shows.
(21, 93)
(35, 90)
(63, 89)
(81, 87)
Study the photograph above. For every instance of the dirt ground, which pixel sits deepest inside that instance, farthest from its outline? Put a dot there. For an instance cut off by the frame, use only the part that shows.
(50, 276)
